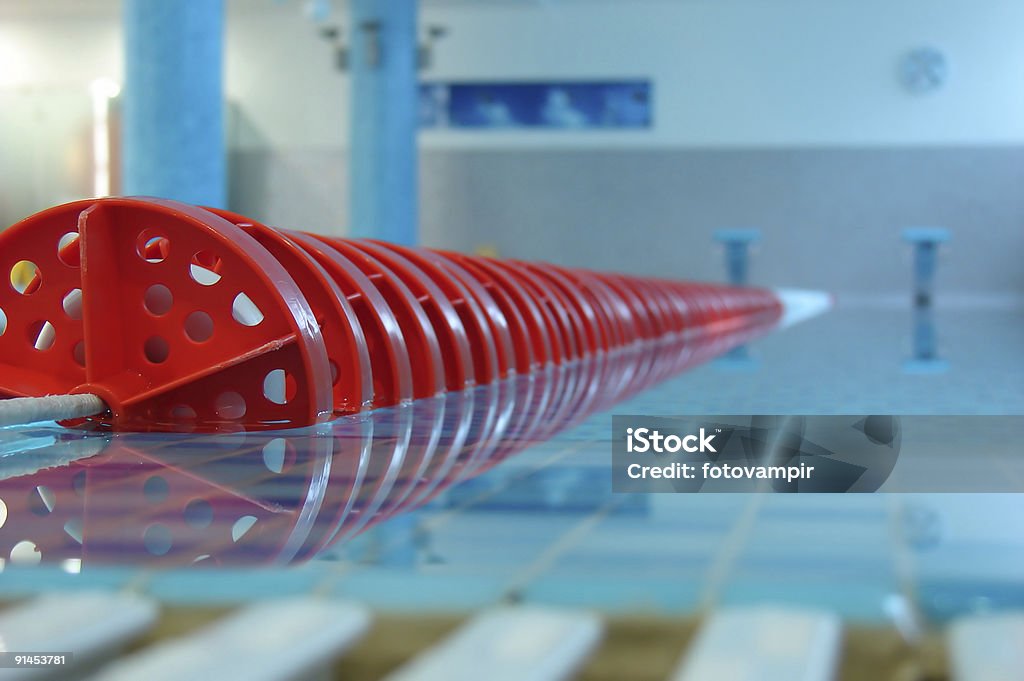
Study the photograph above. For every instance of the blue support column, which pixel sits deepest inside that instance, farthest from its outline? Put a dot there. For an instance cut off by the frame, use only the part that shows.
(925, 344)
(737, 252)
(737, 266)
(173, 129)
(383, 155)
(926, 241)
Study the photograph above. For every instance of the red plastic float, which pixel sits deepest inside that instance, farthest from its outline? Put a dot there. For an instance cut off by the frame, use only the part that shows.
(188, 319)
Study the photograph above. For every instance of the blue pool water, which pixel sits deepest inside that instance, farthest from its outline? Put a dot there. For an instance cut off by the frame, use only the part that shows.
(227, 519)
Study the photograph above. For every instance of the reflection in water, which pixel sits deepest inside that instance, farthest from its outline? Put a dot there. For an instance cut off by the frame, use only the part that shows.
(249, 498)
(925, 359)
(926, 242)
(737, 243)
(739, 359)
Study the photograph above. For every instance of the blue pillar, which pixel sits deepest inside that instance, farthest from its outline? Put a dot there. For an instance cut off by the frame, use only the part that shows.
(173, 128)
(382, 159)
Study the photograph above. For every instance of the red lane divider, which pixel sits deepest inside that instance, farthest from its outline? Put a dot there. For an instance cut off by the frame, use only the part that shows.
(189, 319)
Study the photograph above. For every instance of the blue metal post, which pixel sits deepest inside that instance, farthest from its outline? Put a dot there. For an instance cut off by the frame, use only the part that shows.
(925, 343)
(926, 242)
(737, 252)
(737, 266)
(925, 338)
(382, 145)
(173, 129)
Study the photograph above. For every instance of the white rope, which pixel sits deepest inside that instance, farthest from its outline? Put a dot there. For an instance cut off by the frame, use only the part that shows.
(27, 455)
(23, 410)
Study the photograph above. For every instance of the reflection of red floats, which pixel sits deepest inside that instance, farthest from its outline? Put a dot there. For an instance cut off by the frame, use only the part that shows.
(187, 319)
(261, 497)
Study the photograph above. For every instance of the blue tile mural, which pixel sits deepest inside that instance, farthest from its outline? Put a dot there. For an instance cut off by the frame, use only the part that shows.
(554, 104)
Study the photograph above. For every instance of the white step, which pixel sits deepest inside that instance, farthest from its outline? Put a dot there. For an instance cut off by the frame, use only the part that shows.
(273, 640)
(88, 625)
(510, 644)
(764, 644)
(987, 647)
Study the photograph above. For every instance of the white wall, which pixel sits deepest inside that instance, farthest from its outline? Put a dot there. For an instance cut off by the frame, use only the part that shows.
(726, 72)
(50, 52)
(281, 77)
(750, 80)
(46, 69)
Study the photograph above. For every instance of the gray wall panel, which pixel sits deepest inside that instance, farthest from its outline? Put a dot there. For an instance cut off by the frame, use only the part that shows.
(831, 217)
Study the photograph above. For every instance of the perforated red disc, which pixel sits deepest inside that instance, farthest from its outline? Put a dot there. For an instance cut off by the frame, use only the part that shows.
(451, 333)
(182, 318)
(591, 333)
(567, 329)
(522, 359)
(420, 339)
(389, 359)
(606, 304)
(174, 316)
(474, 319)
(496, 321)
(344, 341)
(540, 325)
